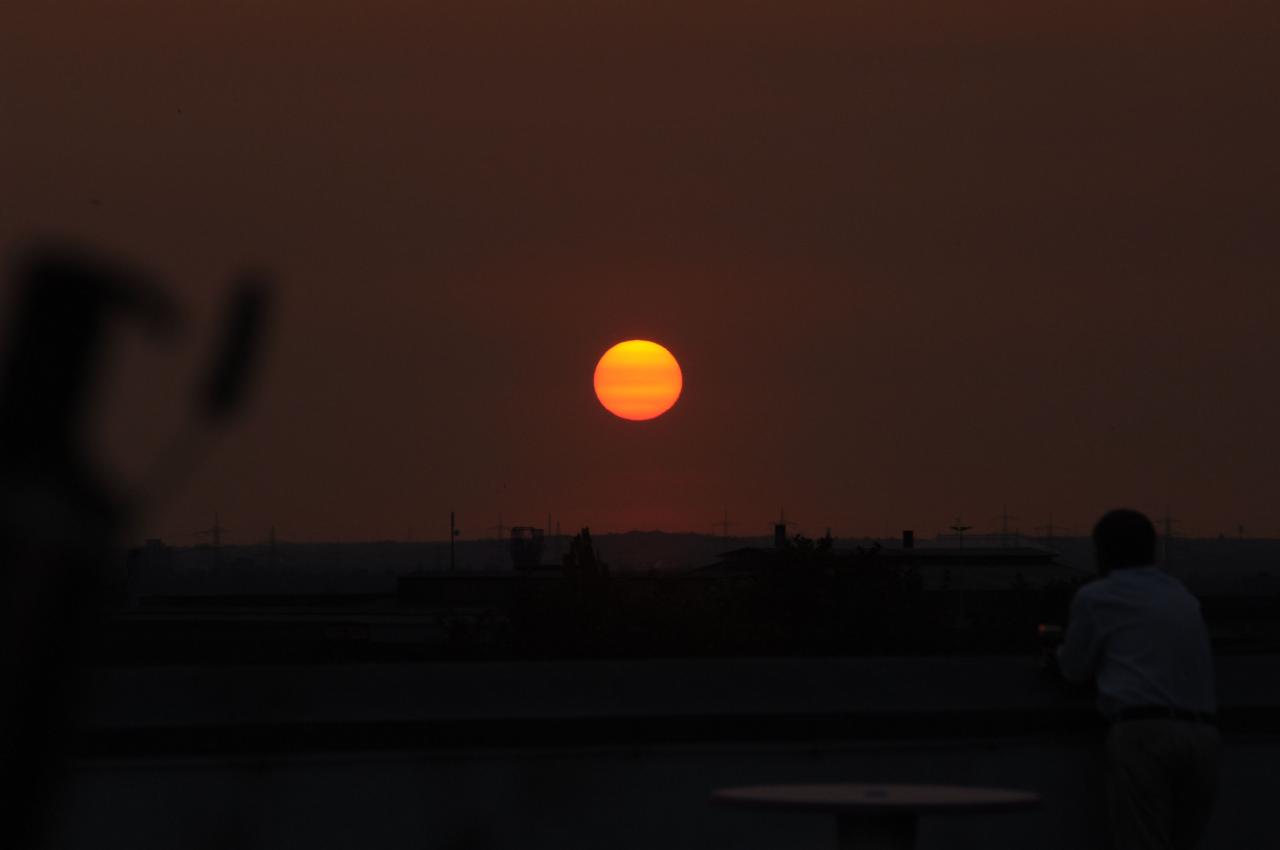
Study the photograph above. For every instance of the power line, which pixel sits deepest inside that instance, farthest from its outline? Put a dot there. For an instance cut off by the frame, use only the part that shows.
(214, 533)
(723, 525)
(1004, 524)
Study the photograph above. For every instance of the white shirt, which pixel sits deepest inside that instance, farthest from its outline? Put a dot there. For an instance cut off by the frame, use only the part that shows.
(1140, 632)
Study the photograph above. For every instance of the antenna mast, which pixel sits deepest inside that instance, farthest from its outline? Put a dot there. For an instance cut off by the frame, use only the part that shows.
(1169, 523)
(1004, 524)
(453, 533)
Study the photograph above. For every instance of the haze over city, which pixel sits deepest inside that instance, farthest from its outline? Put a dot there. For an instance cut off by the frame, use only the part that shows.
(915, 263)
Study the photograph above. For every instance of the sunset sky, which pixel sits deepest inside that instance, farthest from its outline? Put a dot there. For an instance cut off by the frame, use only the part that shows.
(916, 260)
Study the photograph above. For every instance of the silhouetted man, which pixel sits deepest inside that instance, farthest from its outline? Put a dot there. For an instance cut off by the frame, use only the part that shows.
(1139, 633)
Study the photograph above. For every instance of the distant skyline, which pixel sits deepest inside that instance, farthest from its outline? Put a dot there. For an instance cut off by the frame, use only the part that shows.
(915, 263)
(741, 530)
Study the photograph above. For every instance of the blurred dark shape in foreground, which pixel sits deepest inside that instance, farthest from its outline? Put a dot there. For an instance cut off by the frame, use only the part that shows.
(59, 516)
(67, 302)
(247, 316)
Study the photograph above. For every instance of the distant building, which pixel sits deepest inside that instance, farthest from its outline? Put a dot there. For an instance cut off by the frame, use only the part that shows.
(980, 568)
(938, 567)
(526, 547)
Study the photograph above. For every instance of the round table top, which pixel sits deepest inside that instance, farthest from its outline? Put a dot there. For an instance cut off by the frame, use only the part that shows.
(877, 799)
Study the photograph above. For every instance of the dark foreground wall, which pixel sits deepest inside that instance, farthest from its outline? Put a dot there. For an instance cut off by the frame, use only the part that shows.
(590, 755)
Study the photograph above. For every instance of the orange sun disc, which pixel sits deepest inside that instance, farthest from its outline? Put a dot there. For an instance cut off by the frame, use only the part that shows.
(638, 379)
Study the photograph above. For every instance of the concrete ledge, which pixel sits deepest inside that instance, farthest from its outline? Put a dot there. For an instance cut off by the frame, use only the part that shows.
(626, 703)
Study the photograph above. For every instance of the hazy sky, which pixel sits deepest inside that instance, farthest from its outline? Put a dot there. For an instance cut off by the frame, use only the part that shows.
(917, 260)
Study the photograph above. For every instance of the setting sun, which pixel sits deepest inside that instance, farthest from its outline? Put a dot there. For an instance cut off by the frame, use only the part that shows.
(638, 379)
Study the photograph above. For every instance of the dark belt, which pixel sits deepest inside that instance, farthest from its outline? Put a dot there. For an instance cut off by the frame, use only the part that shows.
(1151, 712)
